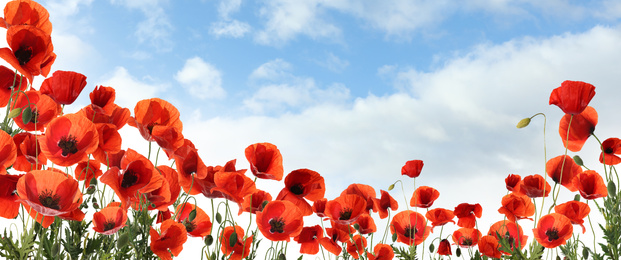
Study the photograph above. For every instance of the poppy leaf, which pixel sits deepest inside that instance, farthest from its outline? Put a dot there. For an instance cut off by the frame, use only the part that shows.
(15, 112)
(26, 115)
(233, 239)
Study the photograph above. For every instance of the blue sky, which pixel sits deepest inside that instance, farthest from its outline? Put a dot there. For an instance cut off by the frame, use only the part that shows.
(354, 89)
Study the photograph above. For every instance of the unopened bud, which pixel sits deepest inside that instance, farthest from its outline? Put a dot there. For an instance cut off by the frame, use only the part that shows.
(122, 241)
(523, 123)
(612, 188)
(578, 160)
(392, 186)
(15, 112)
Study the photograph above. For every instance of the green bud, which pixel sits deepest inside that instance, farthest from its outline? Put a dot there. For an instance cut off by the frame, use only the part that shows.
(578, 160)
(612, 188)
(26, 115)
(55, 249)
(356, 226)
(218, 218)
(93, 182)
(15, 112)
(392, 186)
(394, 237)
(282, 257)
(192, 215)
(558, 257)
(523, 123)
(577, 197)
(233, 239)
(458, 252)
(208, 240)
(122, 241)
(431, 247)
(585, 253)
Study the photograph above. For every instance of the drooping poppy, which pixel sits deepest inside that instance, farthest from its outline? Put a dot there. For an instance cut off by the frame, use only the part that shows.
(69, 139)
(254, 202)
(190, 167)
(265, 161)
(466, 237)
(513, 182)
(240, 248)
(381, 252)
(42, 110)
(280, 220)
(309, 239)
(382, 204)
(8, 197)
(102, 99)
(509, 231)
(30, 51)
(562, 169)
(109, 220)
(467, 214)
(412, 168)
(29, 155)
(439, 217)
(200, 226)
(8, 81)
(157, 120)
(366, 224)
(303, 184)
(163, 215)
(424, 196)
(444, 248)
(534, 186)
(319, 207)
(611, 147)
(365, 191)
(345, 209)
(553, 230)
(168, 138)
(169, 241)
(409, 227)
(233, 186)
(576, 211)
(488, 246)
(590, 185)
(109, 141)
(172, 182)
(64, 87)
(572, 96)
(50, 193)
(86, 171)
(26, 12)
(335, 234)
(8, 151)
(516, 207)
(356, 247)
(576, 129)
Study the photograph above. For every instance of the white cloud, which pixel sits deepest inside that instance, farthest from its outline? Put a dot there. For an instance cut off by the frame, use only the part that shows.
(201, 79)
(156, 28)
(226, 7)
(271, 70)
(129, 89)
(233, 28)
(334, 63)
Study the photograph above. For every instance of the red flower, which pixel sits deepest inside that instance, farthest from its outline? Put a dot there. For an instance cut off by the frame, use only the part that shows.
(319, 207)
(8, 197)
(337, 233)
(357, 247)
(109, 141)
(365, 191)
(576, 211)
(409, 227)
(43, 110)
(200, 226)
(300, 184)
(233, 186)
(439, 217)
(309, 239)
(109, 220)
(444, 248)
(254, 202)
(240, 248)
(157, 120)
(31, 51)
(69, 139)
(516, 207)
(381, 252)
(103, 109)
(86, 171)
(488, 246)
(191, 168)
(610, 148)
(8, 151)
(169, 241)
(168, 192)
(8, 80)
(553, 230)
(63, 86)
(382, 204)
(366, 224)
(466, 237)
(513, 182)
(29, 155)
(424, 197)
(412, 168)
(590, 185)
(265, 161)
(581, 127)
(26, 12)
(466, 214)
(280, 220)
(509, 231)
(562, 169)
(345, 209)
(572, 96)
(534, 186)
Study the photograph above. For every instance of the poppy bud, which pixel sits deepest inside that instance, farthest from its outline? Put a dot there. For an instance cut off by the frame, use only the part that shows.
(585, 253)
(95, 205)
(122, 241)
(55, 249)
(523, 123)
(394, 237)
(218, 218)
(233, 239)
(458, 252)
(431, 248)
(192, 215)
(208, 240)
(392, 186)
(15, 112)
(578, 160)
(93, 182)
(26, 115)
(577, 197)
(90, 190)
(612, 188)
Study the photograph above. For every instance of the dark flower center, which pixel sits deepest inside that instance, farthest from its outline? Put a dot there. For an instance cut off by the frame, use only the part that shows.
(467, 241)
(129, 179)
(608, 150)
(49, 200)
(35, 116)
(410, 232)
(552, 234)
(23, 55)
(110, 224)
(68, 144)
(277, 225)
(150, 127)
(297, 189)
(189, 225)
(345, 214)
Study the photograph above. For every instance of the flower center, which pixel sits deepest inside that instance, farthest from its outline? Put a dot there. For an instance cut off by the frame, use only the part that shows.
(277, 225)
(129, 179)
(23, 55)
(189, 225)
(49, 200)
(35, 116)
(345, 214)
(608, 150)
(150, 127)
(297, 189)
(110, 224)
(410, 232)
(68, 144)
(467, 241)
(552, 234)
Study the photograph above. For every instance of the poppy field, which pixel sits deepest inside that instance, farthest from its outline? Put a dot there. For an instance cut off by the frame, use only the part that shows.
(69, 190)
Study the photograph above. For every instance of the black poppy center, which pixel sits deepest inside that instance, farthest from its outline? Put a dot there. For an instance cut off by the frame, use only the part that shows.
(23, 55)
(277, 225)
(297, 189)
(150, 127)
(68, 144)
(110, 224)
(345, 214)
(608, 150)
(129, 179)
(467, 241)
(35, 116)
(49, 200)
(410, 232)
(189, 225)
(552, 234)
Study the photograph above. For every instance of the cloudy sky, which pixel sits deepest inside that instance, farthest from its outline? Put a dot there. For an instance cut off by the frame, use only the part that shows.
(354, 89)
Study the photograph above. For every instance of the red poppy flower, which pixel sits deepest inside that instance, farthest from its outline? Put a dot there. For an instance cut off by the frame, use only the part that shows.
(106, 111)
(31, 51)
(572, 96)
(50, 193)
(409, 227)
(516, 207)
(163, 216)
(8, 151)
(610, 148)
(157, 120)
(488, 246)
(337, 233)
(466, 237)
(365, 191)
(576, 211)
(381, 252)
(109, 220)
(382, 204)
(63, 86)
(190, 167)
(300, 184)
(102, 98)
(169, 241)
(265, 161)
(167, 193)
(444, 248)
(43, 110)
(513, 182)
(29, 155)
(553, 230)
(319, 207)
(590, 185)
(254, 202)
(26, 12)
(309, 239)
(439, 217)
(356, 247)
(562, 169)
(581, 127)
(86, 171)
(233, 186)
(109, 141)
(345, 209)
(534, 186)
(69, 139)
(8, 197)
(412, 168)
(424, 196)
(8, 79)
(240, 248)
(509, 231)
(466, 214)
(200, 226)
(366, 224)
(280, 220)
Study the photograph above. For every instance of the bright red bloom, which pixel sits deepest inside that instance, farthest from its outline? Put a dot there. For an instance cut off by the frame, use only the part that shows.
(513, 182)
(610, 148)
(381, 252)
(8, 197)
(590, 185)
(200, 226)
(444, 248)
(345, 209)
(553, 230)
(190, 167)
(309, 239)
(29, 155)
(8, 79)
(69, 139)
(509, 231)
(439, 217)
(31, 51)
(581, 127)
(280, 220)
(109, 141)
(534, 186)
(572, 96)
(576, 211)
(240, 248)
(169, 241)
(157, 120)
(8, 151)
(466, 214)
(357, 247)
(365, 191)
(26, 12)
(43, 110)
(254, 202)
(412, 168)
(382, 204)
(168, 192)
(109, 220)
(265, 161)
(488, 246)
(234, 186)
(103, 109)
(337, 233)
(300, 184)
(63, 86)
(409, 227)
(366, 224)
(86, 171)
(517, 207)
(319, 207)
(424, 196)
(466, 237)
(569, 170)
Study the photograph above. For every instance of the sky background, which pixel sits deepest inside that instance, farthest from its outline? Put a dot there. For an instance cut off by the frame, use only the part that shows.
(354, 89)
